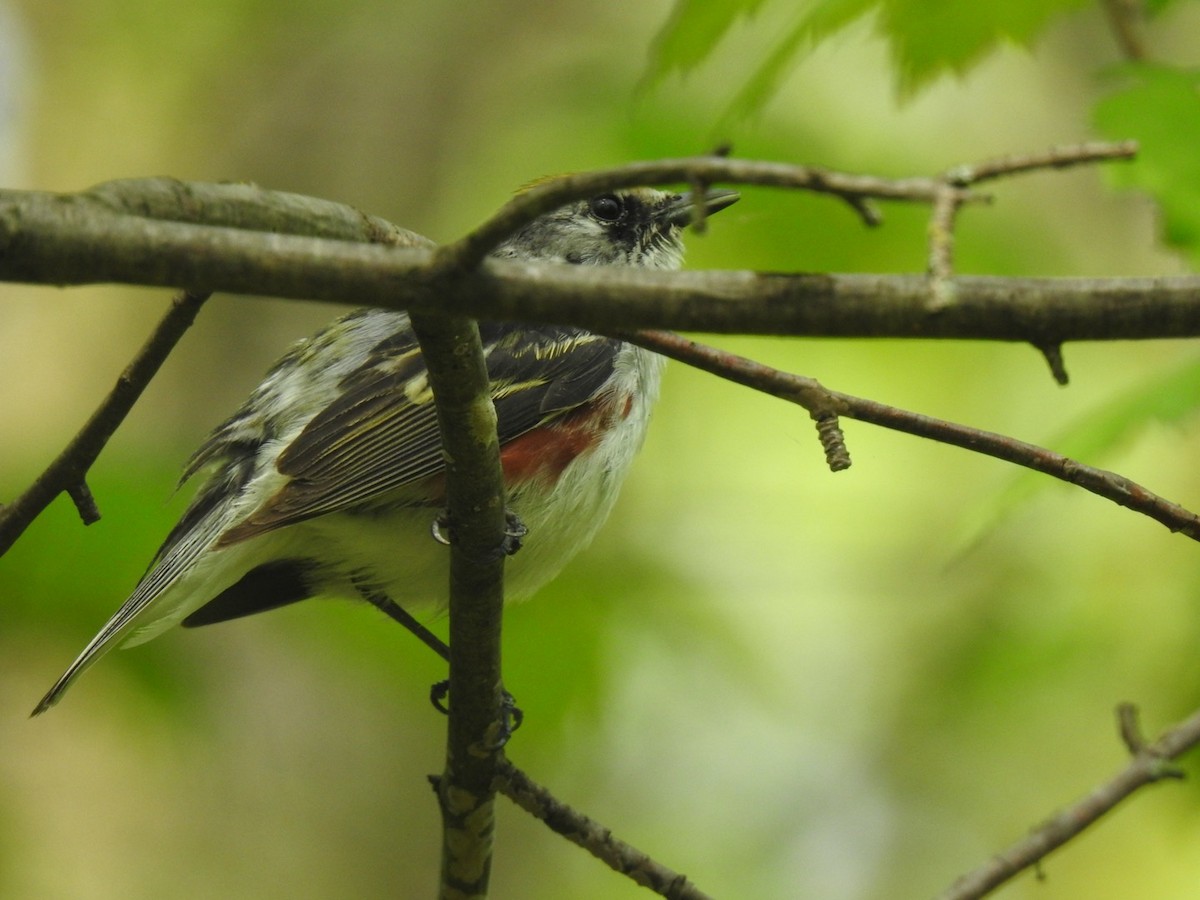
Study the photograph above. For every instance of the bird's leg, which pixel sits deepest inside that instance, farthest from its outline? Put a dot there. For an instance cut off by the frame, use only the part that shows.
(511, 715)
(398, 613)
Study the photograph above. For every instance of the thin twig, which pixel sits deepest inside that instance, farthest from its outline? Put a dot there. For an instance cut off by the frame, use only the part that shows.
(1150, 764)
(593, 837)
(85, 502)
(955, 181)
(555, 192)
(940, 265)
(1060, 157)
(820, 401)
(1053, 354)
(69, 469)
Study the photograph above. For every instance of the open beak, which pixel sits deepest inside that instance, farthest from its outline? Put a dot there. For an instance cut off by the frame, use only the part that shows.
(680, 211)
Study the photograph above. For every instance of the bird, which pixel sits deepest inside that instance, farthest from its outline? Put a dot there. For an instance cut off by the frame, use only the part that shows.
(326, 480)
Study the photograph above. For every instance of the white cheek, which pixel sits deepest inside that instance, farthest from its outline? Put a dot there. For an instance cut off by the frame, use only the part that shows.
(671, 258)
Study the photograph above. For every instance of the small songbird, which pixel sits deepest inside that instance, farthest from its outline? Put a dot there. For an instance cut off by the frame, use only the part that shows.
(326, 480)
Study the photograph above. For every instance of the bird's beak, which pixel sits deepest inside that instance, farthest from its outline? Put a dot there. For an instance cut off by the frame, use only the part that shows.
(681, 210)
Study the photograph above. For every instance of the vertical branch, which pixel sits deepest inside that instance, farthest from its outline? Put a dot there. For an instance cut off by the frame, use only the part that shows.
(475, 506)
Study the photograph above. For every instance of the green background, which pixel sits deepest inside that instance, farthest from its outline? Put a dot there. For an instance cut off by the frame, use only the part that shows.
(782, 682)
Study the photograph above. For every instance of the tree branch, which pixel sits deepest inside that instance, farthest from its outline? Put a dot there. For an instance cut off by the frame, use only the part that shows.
(68, 472)
(239, 238)
(824, 404)
(475, 508)
(1149, 765)
(698, 171)
(69, 240)
(593, 837)
(1066, 156)
(951, 195)
(242, 206)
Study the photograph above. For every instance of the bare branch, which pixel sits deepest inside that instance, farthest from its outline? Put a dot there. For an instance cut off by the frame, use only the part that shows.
(1060, 157)
(69, 469)
(1149, 765)
(822, 402)
(242, 206)
(54, 241)
(952, 194)
(475, 507)
(940, 265)
(593, 837)
(549, 195)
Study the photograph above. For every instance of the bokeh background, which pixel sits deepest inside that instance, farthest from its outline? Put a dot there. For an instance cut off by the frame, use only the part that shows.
(782, 682)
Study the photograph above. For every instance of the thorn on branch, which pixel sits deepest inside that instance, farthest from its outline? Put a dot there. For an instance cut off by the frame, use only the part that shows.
(1130, 728)
(85, 502)
(829, 429)
(1164, 771)
(1054, 358)
(867, 211)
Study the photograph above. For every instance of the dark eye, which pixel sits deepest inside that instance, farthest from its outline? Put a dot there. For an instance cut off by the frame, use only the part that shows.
(607, 208)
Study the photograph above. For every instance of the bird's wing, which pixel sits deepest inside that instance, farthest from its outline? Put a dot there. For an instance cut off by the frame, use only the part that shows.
(381, 434)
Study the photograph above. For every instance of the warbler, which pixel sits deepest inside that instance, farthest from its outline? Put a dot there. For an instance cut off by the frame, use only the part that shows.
(326, 480)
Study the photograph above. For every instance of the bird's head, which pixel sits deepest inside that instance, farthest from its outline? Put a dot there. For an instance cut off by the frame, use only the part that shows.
(634, 227)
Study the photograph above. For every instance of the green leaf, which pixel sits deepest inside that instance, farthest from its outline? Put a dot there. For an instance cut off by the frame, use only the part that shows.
(1160, 108)
(930, 38)
(692, 33)
(1169, 399)
(826, 18)
(926, 39)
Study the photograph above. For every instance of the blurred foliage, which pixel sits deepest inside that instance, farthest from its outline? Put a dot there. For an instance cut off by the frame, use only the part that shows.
(1160, 105)
(1167, 399)
(926, 39)
(782, 682)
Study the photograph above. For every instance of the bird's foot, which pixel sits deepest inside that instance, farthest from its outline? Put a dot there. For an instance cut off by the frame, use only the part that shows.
(515, 530)
(511, 715)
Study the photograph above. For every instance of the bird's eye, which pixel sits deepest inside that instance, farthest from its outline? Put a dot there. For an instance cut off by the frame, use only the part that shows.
(607, 208)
